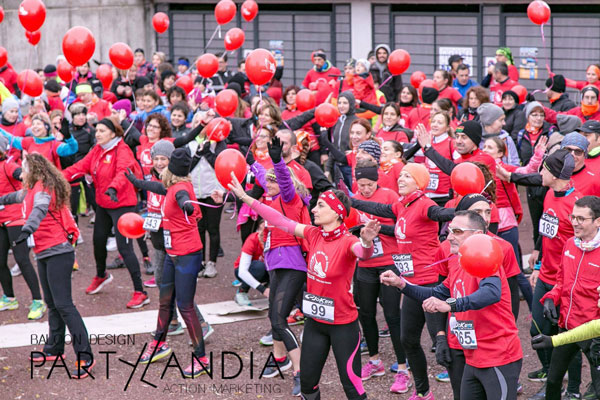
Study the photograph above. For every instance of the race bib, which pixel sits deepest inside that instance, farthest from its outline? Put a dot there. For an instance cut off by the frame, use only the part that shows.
(548, 225)
(148, 177)
(465, 333)
(434, 181)
(268, 242)
(152, 222)
(318, 307)
(30, 242)
(404, 263)
(167, 236)
(377, 247)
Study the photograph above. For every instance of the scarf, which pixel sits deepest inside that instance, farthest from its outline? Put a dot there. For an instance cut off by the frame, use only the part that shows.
(324, 68)
(588, 246)
(555, 97)
(402, 104)
(4, 122)
(589, 110)
(386, 166)
(113, 142)
(261, 155)
(291, 107)
(334, 234)
(411, 198)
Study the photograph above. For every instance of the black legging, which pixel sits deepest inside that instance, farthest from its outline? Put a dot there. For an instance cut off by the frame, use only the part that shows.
(456, 370)
(76, 193)
(285, 285)
(413, 320)
(369, 288)
(9, 234)
(211, 222)
(105, 219)
(55, 277)
(318, 339)
(493, 383)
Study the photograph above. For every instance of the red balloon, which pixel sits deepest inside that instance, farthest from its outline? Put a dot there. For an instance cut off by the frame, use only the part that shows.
(521, 91)
(30, 83)
(160, 22)
(105, 75)
(121, 55)
(32, 14)
(305, 100)
(249, 10)
(326, 115)
(3, 56)
(467, 178)
(65, 71)
(131, 225)
(352, 219)
(227, 161)
(234, 39)
(480, 255)
(207, 65)
(260, 66)
(398, 61)
(417, 77)
(78, 45)
(538, 12)
(226, 102)
(33, 37)
(1, 14)
(186, 83)
(218, 129)
(224, 11)
(427, 83)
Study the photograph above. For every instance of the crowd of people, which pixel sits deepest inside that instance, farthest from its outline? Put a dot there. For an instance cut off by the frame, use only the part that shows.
(332, 221)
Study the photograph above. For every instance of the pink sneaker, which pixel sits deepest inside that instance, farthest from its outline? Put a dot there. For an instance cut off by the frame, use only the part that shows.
(370, 370)
(415, 396)
(150, 283)
(401, 383)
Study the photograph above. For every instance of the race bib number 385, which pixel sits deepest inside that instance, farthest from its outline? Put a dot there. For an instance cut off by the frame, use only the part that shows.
(548, 225)
(318, 307)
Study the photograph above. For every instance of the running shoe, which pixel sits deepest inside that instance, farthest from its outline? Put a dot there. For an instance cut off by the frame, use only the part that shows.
(8, 303)
(541, 395)
(111, 244)
(272, 371)
(148, 266)
(590, 393)
(241, 298)
(15, 271)
(236, 283)
(150, 283)
(197, 368)
(207, 330)
(296, 387)
(162, 351)
(267, 340)
(538, 376)
(427, 396)
(394, 368)
(37, 309)
(80, 239)
(82, 369)
(174, 330)
(571, 396)
(296, 318)
(364, 349)
(210, 270)
(98, 283)
(370, 369)
(401, 383)
(117, 263)
(220, 253)
(44, 356)
(442, 377)
(384, 332)
(138, 300)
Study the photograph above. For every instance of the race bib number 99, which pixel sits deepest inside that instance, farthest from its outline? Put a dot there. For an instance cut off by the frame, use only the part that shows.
(548, 225)
(318, 307)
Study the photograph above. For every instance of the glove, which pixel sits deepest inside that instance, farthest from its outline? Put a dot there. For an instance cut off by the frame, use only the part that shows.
(550, 311)
(64, 128)
(442, 351)
(250, 158)
(112, 193)
(275, 150)
(129, 175)
(541, 342)
(188, 208)
(22, 237)
(324, 138)
(204, 149)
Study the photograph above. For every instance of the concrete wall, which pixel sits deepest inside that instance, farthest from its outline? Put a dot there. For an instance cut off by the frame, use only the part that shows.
(110, 21)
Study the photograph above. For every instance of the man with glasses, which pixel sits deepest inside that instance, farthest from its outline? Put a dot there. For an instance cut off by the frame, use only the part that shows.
(480, 309)
(575, 292)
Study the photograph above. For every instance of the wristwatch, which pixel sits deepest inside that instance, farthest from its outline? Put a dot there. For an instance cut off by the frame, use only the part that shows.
(426, 147)
(452, 303)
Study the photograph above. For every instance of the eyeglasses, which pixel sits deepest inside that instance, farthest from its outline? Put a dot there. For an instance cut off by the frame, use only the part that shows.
(153, 126)
(575, 152)
(460, 231)
(537, 115)
(580, 220)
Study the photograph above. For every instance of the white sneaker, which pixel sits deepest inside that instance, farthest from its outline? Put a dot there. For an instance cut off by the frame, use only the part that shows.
(80, 240)
(15, 271)
(210, 270)
(111, 245)
(241, 298)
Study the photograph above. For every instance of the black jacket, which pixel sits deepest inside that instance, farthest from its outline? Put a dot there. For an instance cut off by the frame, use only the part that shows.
(524, 145)
(515, 121)
(564, 103)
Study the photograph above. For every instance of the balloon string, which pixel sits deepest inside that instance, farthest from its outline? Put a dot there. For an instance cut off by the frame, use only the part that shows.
(386, 80)
(206, 205)
(217, 29)
(550, 74)
(441, 261)
(486, 186)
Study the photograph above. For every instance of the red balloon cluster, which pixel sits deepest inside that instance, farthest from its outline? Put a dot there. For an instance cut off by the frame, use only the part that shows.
(3, 56)
(467, 178)
(326, 115)
(227, 161)
(32, 14)
(207, 65)
(105, 75)
(121, 55)
(78, 45)
(521, 91)
(1, 14)
(65, 71)
(249, 10)
(480, 255)
(186, 83)
(398, 61)
(131, 225)
(224, 11)
(305, 100)
(218, 129)
(30, 83)
(538, 12)
(160, 22)
(234, 39)
(416, 78)
(260, 66)
(33, 37)
(226, 102)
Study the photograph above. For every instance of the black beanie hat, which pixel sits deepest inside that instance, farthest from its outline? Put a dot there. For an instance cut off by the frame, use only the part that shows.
(560, 164)
(235, 87)
(181, 161)
(472, 129)
(511, 94)
(429, 95)
(557, 83)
